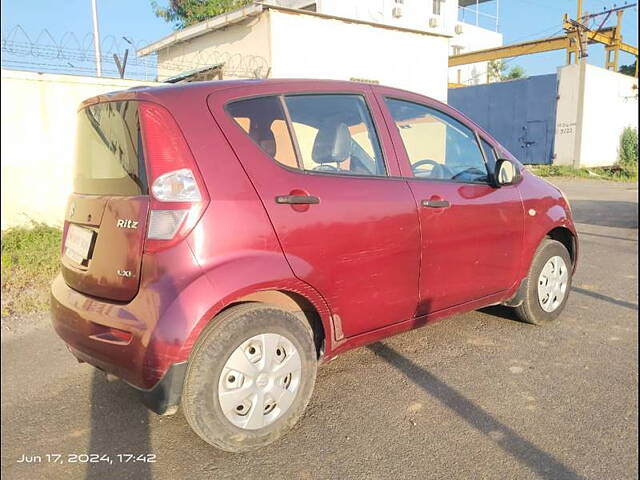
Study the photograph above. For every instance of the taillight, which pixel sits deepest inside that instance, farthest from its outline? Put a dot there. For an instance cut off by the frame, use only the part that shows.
(178, 195)
(177, 186)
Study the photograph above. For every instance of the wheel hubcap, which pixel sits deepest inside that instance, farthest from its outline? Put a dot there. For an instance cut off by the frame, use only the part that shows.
(259, 381)
(552, 283)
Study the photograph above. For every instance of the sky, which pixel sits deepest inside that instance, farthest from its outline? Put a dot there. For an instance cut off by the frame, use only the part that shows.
(134, 19)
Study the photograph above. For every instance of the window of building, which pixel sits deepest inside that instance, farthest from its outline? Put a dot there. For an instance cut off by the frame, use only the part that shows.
(438, 146)
(437, 6)
(335, 134)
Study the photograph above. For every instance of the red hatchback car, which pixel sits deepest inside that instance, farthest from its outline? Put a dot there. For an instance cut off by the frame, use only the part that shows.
(224, 238)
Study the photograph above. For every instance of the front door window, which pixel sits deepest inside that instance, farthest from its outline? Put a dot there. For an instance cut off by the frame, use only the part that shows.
(438, 146)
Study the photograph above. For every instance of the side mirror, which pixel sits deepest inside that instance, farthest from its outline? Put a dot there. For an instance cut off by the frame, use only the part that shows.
(506, 172)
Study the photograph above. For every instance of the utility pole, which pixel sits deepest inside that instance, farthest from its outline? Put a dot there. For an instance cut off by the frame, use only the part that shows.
(96, 38)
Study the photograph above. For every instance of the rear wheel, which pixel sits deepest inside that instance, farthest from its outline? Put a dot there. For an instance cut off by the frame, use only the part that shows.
(548, 284)
(250, 377)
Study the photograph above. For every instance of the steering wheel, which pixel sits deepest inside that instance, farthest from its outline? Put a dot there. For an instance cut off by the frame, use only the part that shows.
(470, 170)
(438, 170)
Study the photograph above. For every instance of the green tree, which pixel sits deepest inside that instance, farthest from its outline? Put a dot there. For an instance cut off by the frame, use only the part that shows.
(516, 72)
(183, 13)
(629, 69)
(497, 71)
(628, 150)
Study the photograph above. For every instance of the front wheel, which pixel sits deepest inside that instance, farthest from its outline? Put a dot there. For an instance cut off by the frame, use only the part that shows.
(250, 377)
(548, 284)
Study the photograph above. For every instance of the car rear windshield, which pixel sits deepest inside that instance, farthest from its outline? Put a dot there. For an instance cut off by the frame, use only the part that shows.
(109, 158)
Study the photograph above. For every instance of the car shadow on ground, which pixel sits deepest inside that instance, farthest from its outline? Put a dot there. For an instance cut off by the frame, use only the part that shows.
(114, 405)
(605, 213)
(501, 311)
(605, 298)
(545, 465)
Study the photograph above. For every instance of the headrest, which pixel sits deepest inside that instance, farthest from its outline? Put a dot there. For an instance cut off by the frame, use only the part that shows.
(332, 143)
(263, 136)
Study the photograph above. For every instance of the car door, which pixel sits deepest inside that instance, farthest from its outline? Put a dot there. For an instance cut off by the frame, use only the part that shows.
(471, 231)
(330, 184)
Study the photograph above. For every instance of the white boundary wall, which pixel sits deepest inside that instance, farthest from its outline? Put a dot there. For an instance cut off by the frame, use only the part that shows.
(594, 107)
(38, 141)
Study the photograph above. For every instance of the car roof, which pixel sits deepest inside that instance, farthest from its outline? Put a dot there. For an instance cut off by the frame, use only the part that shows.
(166, 91)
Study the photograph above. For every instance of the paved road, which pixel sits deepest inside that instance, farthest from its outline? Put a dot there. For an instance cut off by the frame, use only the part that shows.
(476, 396)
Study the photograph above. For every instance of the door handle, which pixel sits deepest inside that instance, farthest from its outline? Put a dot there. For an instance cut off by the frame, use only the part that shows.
(297, 199)
(436, 203)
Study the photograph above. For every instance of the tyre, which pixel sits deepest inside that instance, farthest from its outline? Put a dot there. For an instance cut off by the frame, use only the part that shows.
(250, 377)
(547, 285)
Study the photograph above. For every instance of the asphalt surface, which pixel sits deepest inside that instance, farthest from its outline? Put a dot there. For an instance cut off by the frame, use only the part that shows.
(477, 396)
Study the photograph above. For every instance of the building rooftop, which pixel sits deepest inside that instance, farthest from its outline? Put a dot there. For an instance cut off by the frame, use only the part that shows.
(240, 15)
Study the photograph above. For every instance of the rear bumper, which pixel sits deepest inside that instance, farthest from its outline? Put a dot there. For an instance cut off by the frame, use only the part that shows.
(164, 397)
(145, 351)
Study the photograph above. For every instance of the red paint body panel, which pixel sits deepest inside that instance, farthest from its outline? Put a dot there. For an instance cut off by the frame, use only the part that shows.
(367, 256)
(551, 211)
(470, 249)
(358, 246)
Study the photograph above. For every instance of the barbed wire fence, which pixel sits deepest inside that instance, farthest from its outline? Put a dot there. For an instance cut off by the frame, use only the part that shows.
(70, 53)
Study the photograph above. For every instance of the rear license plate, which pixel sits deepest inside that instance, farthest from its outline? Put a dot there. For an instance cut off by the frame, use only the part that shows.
(78, 243)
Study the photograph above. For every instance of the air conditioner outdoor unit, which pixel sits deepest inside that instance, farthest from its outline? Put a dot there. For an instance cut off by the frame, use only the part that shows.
(433, 22)
(459, 29)
(396, 12)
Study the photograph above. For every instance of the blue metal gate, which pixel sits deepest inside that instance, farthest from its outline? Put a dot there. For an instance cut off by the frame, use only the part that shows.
(520, 114)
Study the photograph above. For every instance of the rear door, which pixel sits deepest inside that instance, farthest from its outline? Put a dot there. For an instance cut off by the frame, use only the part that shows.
(471, 231)
(106, 216)
(329, 182)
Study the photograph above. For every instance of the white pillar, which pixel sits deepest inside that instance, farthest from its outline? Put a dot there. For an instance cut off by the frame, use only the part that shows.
(96, 38)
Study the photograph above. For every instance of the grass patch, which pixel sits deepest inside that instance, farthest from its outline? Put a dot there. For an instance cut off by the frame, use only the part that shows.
(625, 169)
(615, 173)
(30, 261)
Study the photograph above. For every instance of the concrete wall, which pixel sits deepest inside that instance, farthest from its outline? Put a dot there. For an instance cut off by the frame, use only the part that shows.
(569, 97)
(594, 107)
(243, 47)
(38, 141)
(610, 105)
(472, 38)
(304, 46)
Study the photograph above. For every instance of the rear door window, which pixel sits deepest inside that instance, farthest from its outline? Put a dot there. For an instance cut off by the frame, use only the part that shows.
(264, 121)
(335, 134)
(109, 157)
(332, 133)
